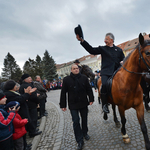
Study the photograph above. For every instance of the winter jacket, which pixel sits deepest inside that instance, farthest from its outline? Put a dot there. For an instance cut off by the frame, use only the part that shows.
(22, 99)
(111, 57)
(33, 99)
(77, 91)
(19, 127)
(40, 89)
(6, 125)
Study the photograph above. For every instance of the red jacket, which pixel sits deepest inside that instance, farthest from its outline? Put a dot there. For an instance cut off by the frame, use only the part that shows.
(19, 127)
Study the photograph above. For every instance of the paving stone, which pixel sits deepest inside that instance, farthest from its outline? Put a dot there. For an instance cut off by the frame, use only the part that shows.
(58, 133)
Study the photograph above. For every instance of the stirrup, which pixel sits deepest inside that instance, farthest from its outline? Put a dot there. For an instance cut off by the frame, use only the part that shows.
(105, 109)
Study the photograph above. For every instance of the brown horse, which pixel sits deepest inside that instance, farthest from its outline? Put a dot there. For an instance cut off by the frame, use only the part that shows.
(86, 70)
(126, 90)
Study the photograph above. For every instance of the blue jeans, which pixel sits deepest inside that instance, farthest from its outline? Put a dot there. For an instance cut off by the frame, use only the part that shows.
(78, 131)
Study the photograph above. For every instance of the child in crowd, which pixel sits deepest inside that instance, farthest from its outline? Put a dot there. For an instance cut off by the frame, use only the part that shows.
(6, 125)
(19, 126)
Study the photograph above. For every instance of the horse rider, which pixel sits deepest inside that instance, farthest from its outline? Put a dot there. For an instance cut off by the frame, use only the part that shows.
(111, 57)
(78, 64)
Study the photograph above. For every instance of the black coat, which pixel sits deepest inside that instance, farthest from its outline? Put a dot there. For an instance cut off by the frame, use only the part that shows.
(21, 98)
(76, 99)
(33, 99)
(110, 57)
(40, 89)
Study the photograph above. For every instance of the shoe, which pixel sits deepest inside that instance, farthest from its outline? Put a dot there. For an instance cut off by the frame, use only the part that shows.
(38, 124)
(105, 109)
(28, 148)
(45, 114)
(39, 117)
(34, 134)
(36, 130)
(29, 145)
(87, 137)
(80, 145)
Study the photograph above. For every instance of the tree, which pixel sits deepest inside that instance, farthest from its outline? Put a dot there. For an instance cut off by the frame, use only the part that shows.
(39, 66)
(30, 68)
(49, 67)
(11, 70)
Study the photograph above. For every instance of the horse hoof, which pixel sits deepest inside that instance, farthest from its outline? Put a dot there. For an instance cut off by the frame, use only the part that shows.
(148, 111)
(105, 116)
(118, 124)
(126, 139)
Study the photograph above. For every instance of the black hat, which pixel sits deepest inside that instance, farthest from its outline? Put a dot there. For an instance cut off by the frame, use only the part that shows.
(9, 85)
(76, 61)
(24, 76)
(12, 104)
(2, 95)
(78, 30)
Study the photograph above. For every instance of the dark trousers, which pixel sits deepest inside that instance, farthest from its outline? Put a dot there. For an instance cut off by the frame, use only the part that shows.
(24, 141)
(42, 107)
(78, 130)
(18, 144)
(30, 127)
(104, 82)
(34, 117)
(7, 144)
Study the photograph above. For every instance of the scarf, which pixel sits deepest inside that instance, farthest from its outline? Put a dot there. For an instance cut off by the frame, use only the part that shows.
(78, 87)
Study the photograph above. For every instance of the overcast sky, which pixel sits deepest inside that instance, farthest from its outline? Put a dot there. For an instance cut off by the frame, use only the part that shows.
(29, 27)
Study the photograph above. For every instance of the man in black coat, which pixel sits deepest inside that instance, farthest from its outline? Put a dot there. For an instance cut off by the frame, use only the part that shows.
(42, 97)
(32, 103)
(78, 88)
(111, 56)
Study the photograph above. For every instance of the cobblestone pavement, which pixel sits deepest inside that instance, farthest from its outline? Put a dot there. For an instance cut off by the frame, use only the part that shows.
(58, 133)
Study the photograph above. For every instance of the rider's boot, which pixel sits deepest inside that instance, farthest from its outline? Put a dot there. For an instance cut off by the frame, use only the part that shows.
(104, 103)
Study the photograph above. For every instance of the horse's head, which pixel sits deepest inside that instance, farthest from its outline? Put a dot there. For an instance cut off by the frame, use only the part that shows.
(144, 52)
(86, 70)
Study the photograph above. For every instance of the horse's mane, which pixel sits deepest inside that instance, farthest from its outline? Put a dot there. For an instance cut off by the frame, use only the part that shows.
(84, 66)
(146, 42)
(126, 58)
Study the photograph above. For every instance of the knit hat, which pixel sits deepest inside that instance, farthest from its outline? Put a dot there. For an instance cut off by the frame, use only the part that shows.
(24, 76)
(2, 95)
(9, 85)
(12, 104)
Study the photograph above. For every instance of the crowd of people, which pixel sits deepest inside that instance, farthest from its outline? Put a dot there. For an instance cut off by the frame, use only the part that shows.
(54, 85)
(21, 105)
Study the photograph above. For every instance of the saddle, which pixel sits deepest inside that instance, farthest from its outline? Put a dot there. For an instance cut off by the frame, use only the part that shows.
(109, 83)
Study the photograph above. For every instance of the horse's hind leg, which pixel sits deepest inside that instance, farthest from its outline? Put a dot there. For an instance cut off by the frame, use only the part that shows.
(115, 117)
(140, 115)
(126, 138)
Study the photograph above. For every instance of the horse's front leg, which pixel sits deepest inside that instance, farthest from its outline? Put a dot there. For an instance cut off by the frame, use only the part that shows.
(115, 116)
(140, 115)
(126, 138)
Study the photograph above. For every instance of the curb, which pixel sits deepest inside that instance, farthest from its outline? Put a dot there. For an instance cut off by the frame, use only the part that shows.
(59, 135)
(37, 138)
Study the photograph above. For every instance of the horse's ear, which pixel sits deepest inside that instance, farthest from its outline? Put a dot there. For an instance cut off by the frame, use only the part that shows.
(141, 39)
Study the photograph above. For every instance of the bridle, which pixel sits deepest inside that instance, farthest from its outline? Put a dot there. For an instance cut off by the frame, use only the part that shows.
(140, 58)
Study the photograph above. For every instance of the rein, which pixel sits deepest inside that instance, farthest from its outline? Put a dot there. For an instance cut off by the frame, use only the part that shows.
(140, 57)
